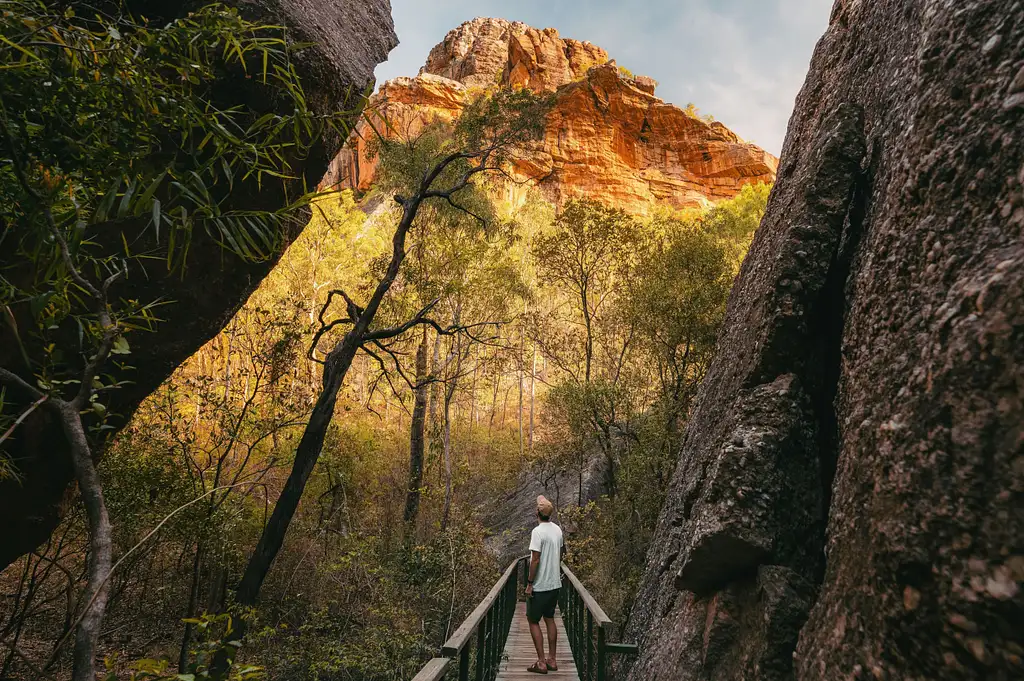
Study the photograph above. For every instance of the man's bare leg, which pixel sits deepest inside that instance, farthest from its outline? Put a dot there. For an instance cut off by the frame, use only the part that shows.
(538, 643)
(552, 641)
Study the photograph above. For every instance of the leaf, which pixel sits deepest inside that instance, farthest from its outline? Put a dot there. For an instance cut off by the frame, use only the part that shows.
(103, 209)
(156, 217)
(126, 200)
(145, 196)
(19, 48)
(121, 347)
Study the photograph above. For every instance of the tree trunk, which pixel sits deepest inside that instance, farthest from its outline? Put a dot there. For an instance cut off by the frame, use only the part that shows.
(416, 438)
(533, 395)
(494, 401)
(336, 366)
(472, 396)
(433, 424)
(100, 543)
(449, 393)
(522, 369)
(589, 341)
(579, 489)
(190, 609)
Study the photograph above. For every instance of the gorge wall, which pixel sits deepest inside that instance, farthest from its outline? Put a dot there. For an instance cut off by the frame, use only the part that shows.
(608, 137)
(849, 501)
(348, 40)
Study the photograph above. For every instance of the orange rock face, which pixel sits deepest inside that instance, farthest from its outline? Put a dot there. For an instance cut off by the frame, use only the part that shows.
(607, 138)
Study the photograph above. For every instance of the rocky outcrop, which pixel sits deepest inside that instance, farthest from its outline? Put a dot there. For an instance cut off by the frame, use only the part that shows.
(349, 40)
(608, 137)
(486, 51)
(849, 500)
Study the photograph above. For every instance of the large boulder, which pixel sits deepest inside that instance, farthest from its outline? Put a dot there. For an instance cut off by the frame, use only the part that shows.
(849, 501)
(349, 40)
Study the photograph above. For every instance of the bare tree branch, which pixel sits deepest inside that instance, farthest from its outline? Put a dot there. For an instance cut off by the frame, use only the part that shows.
(22, 417)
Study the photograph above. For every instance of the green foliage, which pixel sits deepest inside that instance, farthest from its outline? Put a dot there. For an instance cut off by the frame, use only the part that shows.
(735, 220)
(213, 633)
(115, 121)
(673, 303)
(626, 73)
(587, 256)
(117, 143)
(692, 111)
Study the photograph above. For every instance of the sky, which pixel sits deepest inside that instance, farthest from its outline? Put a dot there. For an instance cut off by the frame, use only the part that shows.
(742, 61)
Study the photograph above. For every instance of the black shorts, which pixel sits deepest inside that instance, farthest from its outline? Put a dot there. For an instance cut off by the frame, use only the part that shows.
(541, 604)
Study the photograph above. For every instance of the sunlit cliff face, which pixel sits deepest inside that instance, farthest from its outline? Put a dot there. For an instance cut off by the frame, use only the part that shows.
(608, 137)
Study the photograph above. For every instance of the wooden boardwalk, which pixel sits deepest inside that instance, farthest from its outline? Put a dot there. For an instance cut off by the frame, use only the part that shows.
(520, 653)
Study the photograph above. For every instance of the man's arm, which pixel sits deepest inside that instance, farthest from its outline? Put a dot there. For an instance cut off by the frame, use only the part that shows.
(534, 562)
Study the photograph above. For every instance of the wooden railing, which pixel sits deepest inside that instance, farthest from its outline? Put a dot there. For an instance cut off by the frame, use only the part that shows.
(588, 629)
(484, 631)
(476, 646)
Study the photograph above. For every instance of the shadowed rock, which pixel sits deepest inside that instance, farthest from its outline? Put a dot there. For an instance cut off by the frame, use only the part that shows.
(888, 277)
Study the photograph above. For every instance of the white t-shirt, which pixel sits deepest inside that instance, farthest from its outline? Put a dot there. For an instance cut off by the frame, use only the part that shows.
(547, 539)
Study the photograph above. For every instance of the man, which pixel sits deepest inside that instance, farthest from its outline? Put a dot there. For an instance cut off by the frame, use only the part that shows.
(543, 585)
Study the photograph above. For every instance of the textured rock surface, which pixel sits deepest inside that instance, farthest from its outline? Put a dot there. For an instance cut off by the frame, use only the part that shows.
(875, 336)
(351, 39)
(608, 137)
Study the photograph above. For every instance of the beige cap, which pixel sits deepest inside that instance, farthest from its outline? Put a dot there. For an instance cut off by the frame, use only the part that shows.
(544, 507)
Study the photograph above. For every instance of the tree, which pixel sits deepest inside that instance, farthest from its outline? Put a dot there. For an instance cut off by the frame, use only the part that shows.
(588, 252)
(676, 303)
(115, 153)
(589, 257)
(488, 134)
(417, 437)
(445, 246)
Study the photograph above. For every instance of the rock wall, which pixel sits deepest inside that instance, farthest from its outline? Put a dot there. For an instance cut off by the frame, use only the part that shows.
(350, 39)
(849, 500)
(608, 137)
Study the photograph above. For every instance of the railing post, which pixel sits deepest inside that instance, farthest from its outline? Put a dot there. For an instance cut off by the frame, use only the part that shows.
(600, 654)
(464, 664)
(577, 620)
(481, 632)
(499, 623)
(588, 663)
(499, 637)
(489, 643)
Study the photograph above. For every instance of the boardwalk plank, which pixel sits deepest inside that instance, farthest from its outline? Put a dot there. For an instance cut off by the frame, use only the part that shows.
(520, 653)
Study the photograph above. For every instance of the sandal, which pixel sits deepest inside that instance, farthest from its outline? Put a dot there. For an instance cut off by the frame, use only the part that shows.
(552, 666)
(537, 670)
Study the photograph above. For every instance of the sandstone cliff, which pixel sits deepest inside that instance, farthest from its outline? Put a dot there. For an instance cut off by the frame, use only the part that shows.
(849, 501)
(349, 39)
(608, 137)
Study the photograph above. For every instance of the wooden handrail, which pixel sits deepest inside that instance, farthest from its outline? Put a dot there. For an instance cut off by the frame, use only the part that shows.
(487, 628)
(458, 640)
(588, 628)
(434, 670)
(600, 618)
